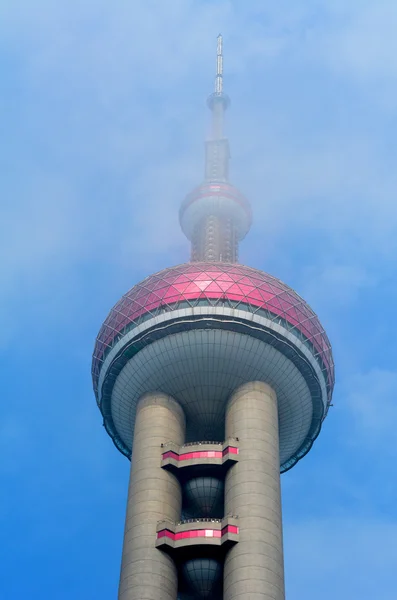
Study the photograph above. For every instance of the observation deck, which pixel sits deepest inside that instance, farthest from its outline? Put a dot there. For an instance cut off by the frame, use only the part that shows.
(197, 532)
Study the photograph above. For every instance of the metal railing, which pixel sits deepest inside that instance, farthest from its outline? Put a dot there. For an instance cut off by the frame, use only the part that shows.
(202, 520)
(200, 443)
(203, 443)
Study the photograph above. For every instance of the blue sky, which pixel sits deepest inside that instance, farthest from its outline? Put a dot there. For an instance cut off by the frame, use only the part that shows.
(103, 110)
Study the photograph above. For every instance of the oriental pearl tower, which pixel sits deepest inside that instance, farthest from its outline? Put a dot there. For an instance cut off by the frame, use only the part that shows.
(213, 378)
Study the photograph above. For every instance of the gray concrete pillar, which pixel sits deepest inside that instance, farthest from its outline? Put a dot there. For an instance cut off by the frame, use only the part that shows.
(154, 494)
(254, 567)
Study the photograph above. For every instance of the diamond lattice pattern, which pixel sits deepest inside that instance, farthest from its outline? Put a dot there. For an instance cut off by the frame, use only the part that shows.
(216, 284)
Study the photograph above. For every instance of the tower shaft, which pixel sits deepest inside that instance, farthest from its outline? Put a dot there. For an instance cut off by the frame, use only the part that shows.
(254, 568)
(153, 494)
(215, 239)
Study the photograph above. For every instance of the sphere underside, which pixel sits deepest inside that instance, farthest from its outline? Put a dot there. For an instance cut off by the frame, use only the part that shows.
(200, 369)
(199, 331)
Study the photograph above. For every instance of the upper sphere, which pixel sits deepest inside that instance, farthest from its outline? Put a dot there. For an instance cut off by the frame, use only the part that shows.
(197, 331)
(217, 199)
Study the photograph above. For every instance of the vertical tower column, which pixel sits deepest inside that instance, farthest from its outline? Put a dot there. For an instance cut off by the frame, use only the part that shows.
(154, 494)
(254, 567)
(215, 239)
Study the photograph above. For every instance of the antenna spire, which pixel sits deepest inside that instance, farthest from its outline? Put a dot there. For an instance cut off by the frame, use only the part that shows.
(219, 66)
(218, 100)
(217, 147)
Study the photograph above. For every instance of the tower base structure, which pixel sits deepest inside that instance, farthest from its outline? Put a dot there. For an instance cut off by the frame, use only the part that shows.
(167, 557)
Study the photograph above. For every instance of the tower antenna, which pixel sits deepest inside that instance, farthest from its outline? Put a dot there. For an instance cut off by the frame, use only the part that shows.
(218, 101)
(219, 66)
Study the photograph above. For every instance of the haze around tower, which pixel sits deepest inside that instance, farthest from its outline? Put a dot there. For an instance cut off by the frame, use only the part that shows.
(103, 119)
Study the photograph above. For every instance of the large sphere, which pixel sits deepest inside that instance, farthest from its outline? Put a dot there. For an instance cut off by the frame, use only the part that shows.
(198, 331)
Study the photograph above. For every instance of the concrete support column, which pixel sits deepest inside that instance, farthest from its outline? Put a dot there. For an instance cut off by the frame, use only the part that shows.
(254, 567)
(154, 494)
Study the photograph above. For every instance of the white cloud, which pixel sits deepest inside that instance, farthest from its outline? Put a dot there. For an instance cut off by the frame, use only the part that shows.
(372, 401)
(360, 40)
(335, 285)
(118, 93)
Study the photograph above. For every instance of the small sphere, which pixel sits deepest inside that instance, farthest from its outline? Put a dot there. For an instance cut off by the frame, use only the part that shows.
(203, 497)
(202, 576)
(219, 199)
